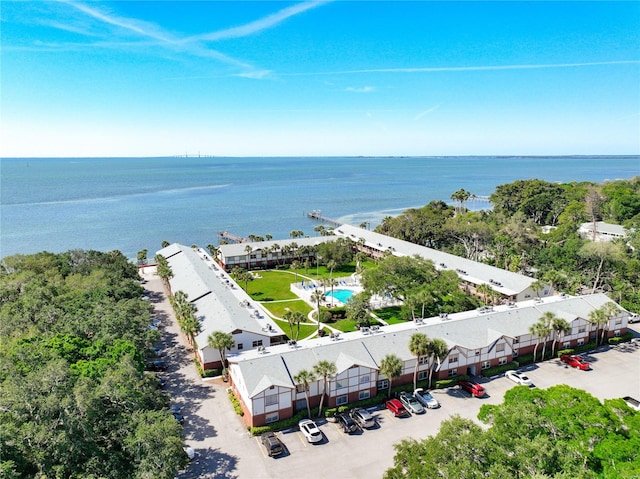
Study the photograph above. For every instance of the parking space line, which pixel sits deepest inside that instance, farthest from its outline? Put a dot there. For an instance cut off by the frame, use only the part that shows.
(303, 440)
(260, 446)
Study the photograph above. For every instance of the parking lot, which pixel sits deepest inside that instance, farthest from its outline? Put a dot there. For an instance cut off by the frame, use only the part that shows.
(224, 449)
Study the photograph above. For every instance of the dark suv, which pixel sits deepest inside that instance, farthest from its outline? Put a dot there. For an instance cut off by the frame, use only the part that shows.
(272, 444)
(347, 424)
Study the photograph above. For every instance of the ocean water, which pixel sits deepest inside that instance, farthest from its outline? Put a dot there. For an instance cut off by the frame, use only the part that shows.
(131, 204)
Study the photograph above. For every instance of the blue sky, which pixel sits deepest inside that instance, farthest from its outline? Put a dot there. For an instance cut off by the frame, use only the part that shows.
(92, 78)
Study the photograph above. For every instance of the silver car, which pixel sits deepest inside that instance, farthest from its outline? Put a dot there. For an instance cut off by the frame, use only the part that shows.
(411, 403)
(362, 418)
(426, 399)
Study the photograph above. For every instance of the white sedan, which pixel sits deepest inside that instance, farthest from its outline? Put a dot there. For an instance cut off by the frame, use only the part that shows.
(310, 430)
(519, 378)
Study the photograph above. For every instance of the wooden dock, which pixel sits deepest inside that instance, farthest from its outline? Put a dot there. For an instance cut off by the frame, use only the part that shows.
(225, 235)
(315, 214)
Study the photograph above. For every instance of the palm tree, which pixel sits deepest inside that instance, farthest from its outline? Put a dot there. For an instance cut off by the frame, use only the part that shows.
(213, 250)
(317, 296)
(536, 330)
(461, 196)
(331, 264)
(325, 370)
(165, 243)
(332, 283)
(419, 347)
(560, 327)
(438, 349)
(298, 317)
(538, 286)
(142, 256)
(288, 317)
(295, 266)
(305, 378)
(545, 328)
(191, 327)
(485, 290)
(391, 366)
(600, 317)
(248, 249)
(221, 341)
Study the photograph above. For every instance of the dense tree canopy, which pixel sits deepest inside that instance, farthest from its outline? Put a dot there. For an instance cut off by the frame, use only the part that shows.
(559, 432)
(510, 236)
(75, 400)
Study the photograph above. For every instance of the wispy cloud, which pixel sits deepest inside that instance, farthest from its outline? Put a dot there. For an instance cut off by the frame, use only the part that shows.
(261, 24)
(365, 89)
(467, 68)
(426, 112)
(187, 45)
(136, 26)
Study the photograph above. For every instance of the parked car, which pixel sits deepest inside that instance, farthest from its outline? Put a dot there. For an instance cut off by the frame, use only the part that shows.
(519, 378)
(473, 388)
(396, 408)
(347, 424)
(634, 318)
(179, 417)
(310, 430)
(272, 444)
(575, 361)
(409, 401)
(426, 399)
(189, 451)
(632, 402)
(156, 365)
(363, 418)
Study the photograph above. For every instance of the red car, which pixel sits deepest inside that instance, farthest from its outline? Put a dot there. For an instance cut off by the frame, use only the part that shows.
(575, 361)
(396, 408)
(473, 388)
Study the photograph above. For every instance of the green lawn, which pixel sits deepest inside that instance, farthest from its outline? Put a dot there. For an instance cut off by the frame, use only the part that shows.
(391, 315)
(272, 290)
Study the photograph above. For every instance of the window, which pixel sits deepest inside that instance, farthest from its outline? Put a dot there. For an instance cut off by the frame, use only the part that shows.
(383, 384)
(452, 373)
(365, 379)
(340, 400)
(580, 342)
(453, 359)
(364, 395)
(618, 320)
(273, 417)
(616, 333)
(240, 346)
(299, 388)
(256, 343)
(500, 347)
(423, 375)
(566, 345)
(516, 340)
(486, 364)
(271, 399)
(515, 354)
(582, 329)
(423, 359)
(502, 361)
(341, 384)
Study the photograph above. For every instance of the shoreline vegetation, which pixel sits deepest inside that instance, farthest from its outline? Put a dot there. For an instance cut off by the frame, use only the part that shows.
(76, 335)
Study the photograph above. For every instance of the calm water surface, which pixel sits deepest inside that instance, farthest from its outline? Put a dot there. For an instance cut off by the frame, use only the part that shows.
(133, 203)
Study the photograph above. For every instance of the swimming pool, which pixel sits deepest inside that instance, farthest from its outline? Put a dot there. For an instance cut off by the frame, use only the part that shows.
(341, 295)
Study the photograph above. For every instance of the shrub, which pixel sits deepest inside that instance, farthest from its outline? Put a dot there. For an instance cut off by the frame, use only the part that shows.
(235, 402)
(499, 369)
(621, 339)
